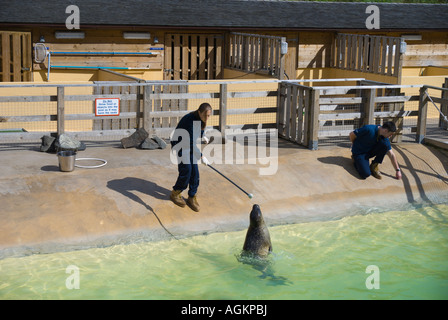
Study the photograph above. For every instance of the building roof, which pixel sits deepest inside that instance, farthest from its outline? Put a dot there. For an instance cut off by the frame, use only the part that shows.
(226, 14)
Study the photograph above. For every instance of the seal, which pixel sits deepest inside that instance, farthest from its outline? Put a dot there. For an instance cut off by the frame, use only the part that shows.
(258, 240)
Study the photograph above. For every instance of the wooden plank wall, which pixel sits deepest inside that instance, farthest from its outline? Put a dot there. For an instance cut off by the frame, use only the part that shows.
(193, 56)
(102, 41)
(15, 56)
(366, 53)
(255, 53)
(432, 50)
(314, 49)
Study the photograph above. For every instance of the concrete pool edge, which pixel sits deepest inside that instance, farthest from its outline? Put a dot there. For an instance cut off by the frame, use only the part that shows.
(127, 201)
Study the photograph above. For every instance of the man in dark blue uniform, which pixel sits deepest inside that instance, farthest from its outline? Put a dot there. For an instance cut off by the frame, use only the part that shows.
(372, 141)
(191, 128)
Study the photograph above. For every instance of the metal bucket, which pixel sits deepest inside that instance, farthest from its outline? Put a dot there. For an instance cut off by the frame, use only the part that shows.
(66, 160)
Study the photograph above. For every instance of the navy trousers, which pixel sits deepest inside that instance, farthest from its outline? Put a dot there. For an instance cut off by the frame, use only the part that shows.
(188, 176)
(362, 160)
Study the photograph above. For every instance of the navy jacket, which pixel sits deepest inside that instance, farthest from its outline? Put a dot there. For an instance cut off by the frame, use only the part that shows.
(366, 138)
(187, 123)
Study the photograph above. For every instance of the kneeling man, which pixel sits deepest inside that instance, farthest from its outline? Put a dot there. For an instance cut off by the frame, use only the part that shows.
(372, 141)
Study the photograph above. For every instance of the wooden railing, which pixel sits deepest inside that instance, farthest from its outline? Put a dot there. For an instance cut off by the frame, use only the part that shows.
(366, 53)
(256, 53)
(159, 106)
(426, 99)
(301, 113)
(308, 114)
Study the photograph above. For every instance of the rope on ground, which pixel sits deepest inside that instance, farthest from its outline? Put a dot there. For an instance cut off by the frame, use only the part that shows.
(443, 116)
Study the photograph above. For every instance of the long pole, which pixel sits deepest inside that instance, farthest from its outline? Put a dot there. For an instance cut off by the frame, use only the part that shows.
(250, 195)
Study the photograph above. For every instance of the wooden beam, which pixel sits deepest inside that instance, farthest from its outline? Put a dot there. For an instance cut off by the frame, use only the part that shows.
(422, 116)
(6, 54)
(222, 107)
(314, 120)
(60, 111)
(294, 114)
(147, 109)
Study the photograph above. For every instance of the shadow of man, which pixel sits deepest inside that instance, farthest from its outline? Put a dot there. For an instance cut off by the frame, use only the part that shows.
(126, 186)
(343, 162)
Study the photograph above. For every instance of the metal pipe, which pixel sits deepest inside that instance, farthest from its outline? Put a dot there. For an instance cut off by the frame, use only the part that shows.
(92, 67)
(102, 53)
(49, 66)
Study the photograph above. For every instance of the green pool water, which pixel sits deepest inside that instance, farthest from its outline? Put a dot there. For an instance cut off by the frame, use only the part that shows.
(318, 260)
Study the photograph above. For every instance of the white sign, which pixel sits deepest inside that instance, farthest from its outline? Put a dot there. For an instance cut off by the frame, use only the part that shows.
(107, 107)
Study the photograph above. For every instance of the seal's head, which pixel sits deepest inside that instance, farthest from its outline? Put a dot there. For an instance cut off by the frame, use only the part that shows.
(256, 218)
(258, 241)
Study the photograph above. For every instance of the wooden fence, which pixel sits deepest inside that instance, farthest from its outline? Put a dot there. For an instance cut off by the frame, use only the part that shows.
(307, 114)
(256, 53)
(424, 100)
(366, 53)
(302, 114)
(158, 106)
(193, 56)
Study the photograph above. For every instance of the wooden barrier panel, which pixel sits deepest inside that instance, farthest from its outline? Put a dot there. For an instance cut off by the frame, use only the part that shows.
(366, 53)
(162, 104)
(303, 114)
(256, 53)
(15, 56)
(309, 114)
(193, 56)
(294, 108)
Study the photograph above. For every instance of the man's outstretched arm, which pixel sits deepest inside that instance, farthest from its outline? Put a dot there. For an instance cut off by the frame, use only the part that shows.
(394, 161)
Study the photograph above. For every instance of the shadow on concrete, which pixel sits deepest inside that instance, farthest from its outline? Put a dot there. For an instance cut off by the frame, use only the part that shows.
(126, 186)
(414, 172)
(50, 168)
(343, 162)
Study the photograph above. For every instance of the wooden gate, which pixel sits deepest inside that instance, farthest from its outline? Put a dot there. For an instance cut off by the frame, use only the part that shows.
(193, 56)
(15, 56)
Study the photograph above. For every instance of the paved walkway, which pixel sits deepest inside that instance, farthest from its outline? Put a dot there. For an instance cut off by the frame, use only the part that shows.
(45, 210)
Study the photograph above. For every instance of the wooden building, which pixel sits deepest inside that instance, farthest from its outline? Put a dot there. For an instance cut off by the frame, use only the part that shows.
(212, 39)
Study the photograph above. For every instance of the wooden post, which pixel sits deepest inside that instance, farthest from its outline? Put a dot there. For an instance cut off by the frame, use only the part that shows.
(338, 51)
(444, 106)
(222, 108)
(6, 56)
(293, 114)
(398, 62)
(282, 60)
(399, 121)
(369, 106)
(147, 108)
(60, 111)
(422, 115)
(281, 109)
(300, 109)
(288, 111)
(245, 53)
(314, 120)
